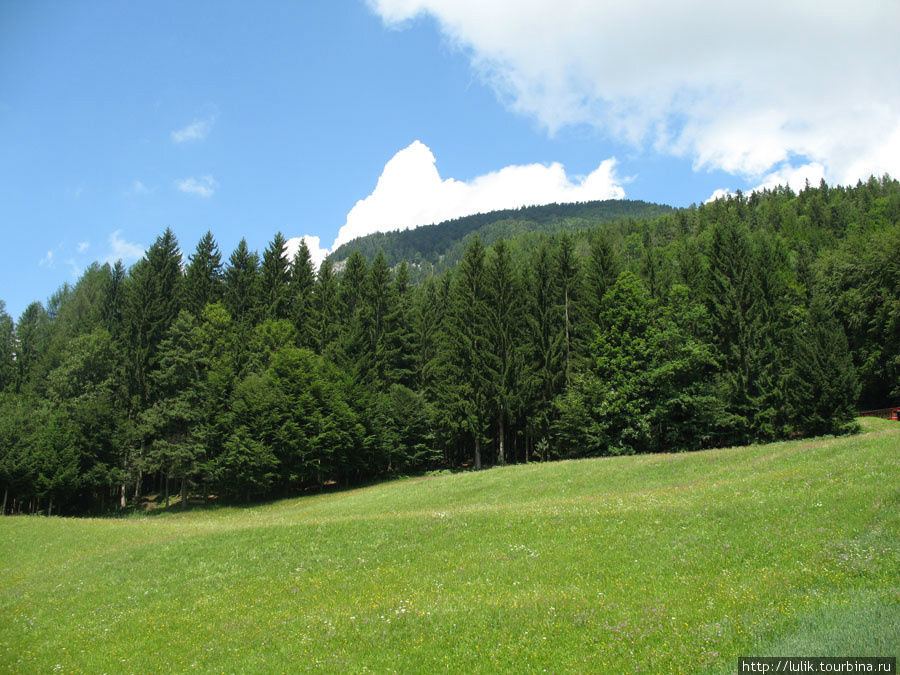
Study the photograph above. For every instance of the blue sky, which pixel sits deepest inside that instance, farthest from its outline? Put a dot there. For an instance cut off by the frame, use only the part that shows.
(119, 119)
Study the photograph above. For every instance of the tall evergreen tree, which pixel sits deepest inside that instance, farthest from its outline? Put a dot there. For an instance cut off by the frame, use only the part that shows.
(545, 373)
(504, 326)
(172, 420)
(466, 350)
(275, 279)
(31, 339)
(243, 286)
(600, 274)
(326, 310)
(567, 276)
(152, 302)
(7, 350)
(203, 281)
(302, 287)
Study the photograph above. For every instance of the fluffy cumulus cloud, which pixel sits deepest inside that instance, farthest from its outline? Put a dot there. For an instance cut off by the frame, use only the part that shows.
(120, 249)
(204, 186)
(411, 192)
(794, 177)
(755, 89)
(316, 252)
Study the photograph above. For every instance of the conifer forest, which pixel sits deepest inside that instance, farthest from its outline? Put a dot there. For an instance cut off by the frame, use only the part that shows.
(201, 374)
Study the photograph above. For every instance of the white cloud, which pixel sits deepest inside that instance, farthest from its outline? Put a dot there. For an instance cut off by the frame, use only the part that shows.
(47, 260)
(82, 246)
(204, 186)
(745, 88)
(721, 193)
(137, 189)
(316, 252)
(785, 175)
(411, 192)
(122, 250)
(196, 131)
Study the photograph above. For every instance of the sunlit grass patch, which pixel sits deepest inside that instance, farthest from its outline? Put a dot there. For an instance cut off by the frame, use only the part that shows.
(663, 562)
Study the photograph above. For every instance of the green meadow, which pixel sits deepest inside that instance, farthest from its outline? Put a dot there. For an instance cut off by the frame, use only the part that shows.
(677, 562)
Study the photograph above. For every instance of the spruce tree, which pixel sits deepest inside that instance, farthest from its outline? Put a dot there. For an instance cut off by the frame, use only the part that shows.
(242, 286)
(326, 311)
(504, 326)
(275, 280)
(302, 287)
(545, 370)
(466, 349)
(203, 281)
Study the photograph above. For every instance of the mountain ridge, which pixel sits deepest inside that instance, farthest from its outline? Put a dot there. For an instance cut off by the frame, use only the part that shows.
(442, 243)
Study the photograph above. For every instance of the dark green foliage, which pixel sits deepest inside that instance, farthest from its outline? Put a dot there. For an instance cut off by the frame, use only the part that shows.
(173, 418)
(465, 393)
(203, 279)
(649, 388)
(583, 330)
(243, 286)
(822, 384)
(152, 301)
(275, 280)
(326, 310)
(301, 292)
(7, 350)
(440, 247)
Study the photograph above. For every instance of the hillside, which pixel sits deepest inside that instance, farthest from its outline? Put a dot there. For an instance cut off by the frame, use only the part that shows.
(445, 242)
(652, 563)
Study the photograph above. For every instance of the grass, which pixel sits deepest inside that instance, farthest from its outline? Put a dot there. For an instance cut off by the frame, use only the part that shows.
(652, 563)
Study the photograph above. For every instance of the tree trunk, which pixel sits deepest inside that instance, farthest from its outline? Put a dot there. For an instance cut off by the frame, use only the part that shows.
(167, 489)
(122, 500)
(477, 452)
(137, 487)
(50, 507)
(184, 492)
(568, 343)
(501, 435)
(5, 495)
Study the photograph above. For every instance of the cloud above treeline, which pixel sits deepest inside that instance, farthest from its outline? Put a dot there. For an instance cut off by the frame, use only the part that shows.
(204, 186)
(755, 89)
(411, 192)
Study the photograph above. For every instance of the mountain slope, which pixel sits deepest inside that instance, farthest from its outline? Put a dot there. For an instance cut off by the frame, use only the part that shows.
(444, 242)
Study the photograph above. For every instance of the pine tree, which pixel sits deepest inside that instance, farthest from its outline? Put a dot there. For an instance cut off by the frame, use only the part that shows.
(368, 341)
(203, 281)
(152, 302)
(302, 288)
(243, 286)
(399, 347)
(31, 339)
(113, 303)
(545, 370)
(567, 279)
(173, 417)
(326, 311)
(465, 394)
(275, 280)
(7, 350)
(504, 325)
(601, 273)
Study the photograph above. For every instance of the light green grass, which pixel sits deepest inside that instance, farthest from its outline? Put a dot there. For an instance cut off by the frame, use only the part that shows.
(652, 563)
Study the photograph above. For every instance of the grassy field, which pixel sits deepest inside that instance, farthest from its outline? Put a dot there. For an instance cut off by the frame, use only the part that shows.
(664, 563)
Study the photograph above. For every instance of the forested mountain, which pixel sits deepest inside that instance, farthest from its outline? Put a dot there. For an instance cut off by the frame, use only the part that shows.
(751, 318)
(434, 248)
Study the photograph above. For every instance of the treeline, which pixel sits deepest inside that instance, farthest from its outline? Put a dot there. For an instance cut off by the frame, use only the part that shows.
(747, 319)
(433, 249)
